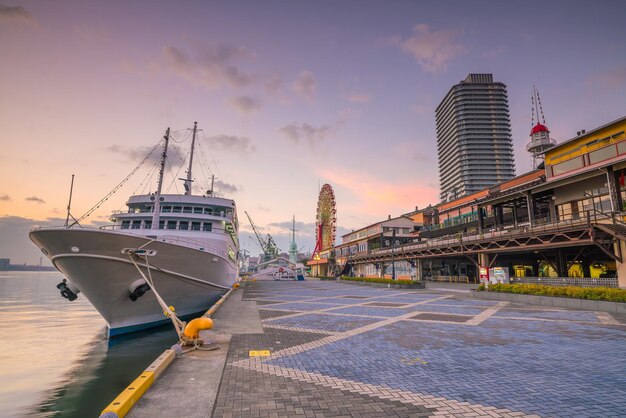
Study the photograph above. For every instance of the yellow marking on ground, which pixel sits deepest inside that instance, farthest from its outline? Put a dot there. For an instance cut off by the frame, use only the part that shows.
(412, 361)
(259, 353)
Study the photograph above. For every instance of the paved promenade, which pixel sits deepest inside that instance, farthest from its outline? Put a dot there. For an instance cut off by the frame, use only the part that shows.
(356, 351)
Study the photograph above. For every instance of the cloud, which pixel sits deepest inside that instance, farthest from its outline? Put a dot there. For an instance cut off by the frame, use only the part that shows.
(14, 242)
(432, 49)
(136, 154)
(5, 197)
(358, 97)
(305, 86)
(301, 227)
(227, 188)
(306, 132)
(35, 199)
(379, 197)
(245, 104)
(16, 14)
(231, 143)
(612, 79)
(211, 66)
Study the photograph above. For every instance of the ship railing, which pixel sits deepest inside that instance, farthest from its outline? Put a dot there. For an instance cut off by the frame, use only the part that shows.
(198, 245)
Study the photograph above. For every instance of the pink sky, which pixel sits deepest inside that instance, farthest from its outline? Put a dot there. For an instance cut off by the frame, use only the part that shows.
(289, 96)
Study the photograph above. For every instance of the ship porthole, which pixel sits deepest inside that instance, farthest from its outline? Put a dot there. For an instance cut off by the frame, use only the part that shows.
(75, 249)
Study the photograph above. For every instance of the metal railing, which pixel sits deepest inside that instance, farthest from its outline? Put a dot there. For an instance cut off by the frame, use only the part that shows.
(569, 281)
(539, 225)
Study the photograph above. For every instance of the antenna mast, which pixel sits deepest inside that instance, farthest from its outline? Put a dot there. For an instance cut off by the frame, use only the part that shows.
(69, 205)
(157, 200)
(188, 181)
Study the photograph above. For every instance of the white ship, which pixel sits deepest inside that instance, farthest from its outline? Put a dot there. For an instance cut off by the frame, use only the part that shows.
(185, 245)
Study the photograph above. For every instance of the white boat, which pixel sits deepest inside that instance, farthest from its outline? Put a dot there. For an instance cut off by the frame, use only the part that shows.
(185, 245)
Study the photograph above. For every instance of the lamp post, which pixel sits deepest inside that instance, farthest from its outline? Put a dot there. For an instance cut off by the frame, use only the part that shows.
(393, 246)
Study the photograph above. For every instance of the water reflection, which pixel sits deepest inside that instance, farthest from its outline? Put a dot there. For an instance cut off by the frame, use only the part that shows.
(55, 355)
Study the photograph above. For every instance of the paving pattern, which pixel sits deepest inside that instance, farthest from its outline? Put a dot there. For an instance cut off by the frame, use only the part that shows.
(342, 350)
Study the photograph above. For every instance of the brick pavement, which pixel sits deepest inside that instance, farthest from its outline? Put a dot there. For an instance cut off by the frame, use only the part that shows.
(337, 350)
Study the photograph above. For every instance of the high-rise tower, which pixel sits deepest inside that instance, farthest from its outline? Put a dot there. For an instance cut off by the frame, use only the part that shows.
(474, 144)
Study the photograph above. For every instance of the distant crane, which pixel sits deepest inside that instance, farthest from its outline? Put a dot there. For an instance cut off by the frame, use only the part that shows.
(268, 245)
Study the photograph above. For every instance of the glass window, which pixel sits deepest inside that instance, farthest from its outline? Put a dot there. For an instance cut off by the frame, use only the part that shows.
(136, 225)
(183, 225)
(125, 224)
(187, 209)
(177, 209)
(171, 224)
(207, 226)
(195, 226)
(208, 211)
(197, 210)
(161, 224)
(147, 224)
(166, 209)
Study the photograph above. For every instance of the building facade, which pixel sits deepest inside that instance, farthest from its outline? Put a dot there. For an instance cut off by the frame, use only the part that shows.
(474, 144)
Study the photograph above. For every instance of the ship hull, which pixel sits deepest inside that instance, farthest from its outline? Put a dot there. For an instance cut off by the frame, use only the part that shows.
(189, 279)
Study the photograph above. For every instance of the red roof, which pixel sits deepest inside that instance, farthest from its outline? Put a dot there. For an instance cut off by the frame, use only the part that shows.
(539, 128)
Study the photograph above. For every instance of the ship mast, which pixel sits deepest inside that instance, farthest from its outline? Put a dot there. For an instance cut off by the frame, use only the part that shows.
(157, 200)
(188, 181)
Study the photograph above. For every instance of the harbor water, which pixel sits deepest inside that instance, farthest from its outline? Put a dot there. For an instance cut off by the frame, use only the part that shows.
(55, 360)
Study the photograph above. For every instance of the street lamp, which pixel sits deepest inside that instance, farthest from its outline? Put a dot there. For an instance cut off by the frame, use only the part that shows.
(393, 246)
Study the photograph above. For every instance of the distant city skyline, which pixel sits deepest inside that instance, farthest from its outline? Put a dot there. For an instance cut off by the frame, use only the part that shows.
(290, 95)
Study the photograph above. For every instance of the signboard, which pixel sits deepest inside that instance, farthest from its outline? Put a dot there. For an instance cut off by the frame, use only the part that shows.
(484, 274)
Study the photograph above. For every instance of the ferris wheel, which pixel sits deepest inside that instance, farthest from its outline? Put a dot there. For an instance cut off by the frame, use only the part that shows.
(326, 220)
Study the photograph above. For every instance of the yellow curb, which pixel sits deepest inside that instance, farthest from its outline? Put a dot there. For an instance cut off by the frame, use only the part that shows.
(129, 396)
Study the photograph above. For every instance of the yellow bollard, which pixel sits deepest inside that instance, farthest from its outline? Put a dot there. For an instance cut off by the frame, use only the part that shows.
(192, 330)
(236, 286)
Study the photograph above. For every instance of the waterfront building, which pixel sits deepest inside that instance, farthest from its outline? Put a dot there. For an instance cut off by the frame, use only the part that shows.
(389, 233)
(563, 223)
(474, 144)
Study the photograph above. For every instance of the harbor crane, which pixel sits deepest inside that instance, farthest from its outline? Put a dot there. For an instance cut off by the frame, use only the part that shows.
(268, 245)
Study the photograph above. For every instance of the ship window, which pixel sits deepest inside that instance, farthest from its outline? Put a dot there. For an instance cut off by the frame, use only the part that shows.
(125, 224)
(147, 224)
(171, 224)
(197, 210)
(183, 225)
(166, 209)
(187, 209)
(208, 211)
(136, 225)
(161, 224)
(195, 226)
(207, 226)
(177, 209)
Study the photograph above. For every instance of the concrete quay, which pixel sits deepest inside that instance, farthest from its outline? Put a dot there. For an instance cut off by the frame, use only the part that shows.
(338, 350)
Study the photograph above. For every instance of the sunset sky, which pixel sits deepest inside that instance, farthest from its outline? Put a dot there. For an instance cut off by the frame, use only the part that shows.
(290, 95)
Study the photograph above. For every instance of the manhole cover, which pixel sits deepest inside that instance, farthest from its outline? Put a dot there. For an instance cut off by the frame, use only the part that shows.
(355, 297)
(442, 317)
(386, 304)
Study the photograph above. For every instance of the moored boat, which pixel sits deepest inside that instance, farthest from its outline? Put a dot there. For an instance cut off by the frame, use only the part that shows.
(181, 247)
